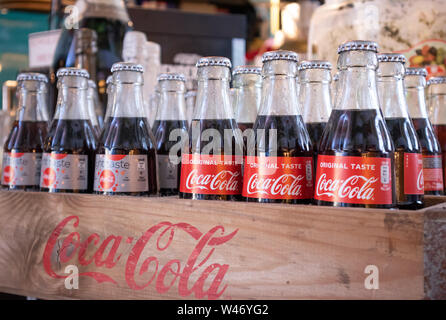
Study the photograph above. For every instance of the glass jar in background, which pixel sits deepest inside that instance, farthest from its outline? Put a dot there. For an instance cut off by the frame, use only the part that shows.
(414, 28)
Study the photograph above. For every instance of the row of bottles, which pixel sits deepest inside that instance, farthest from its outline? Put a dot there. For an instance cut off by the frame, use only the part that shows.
(291, 147)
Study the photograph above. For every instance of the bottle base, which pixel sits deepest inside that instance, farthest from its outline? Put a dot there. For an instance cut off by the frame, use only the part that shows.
(354, 205)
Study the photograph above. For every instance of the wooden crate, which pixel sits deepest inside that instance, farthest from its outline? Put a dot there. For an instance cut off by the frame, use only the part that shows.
(166, 248)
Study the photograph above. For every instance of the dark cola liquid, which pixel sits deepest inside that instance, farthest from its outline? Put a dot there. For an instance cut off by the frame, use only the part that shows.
(26, 137)
(405, 141)
(357, 133)
(428, 141)
(245, 129)
(245, 125)
(440, 132)
(197, 146)
(75, 137)
(292, 141)
(130, 136)
(163, 146)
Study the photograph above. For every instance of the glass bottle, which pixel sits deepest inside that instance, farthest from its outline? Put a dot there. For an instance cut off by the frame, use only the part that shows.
(248, 83)
(126, 156)
(315, 81)
(171, 116)
(280, 170)
(91, 107)
(22, 152)
(355, 165)
(409, 181)
(211, 167)
(415, 84)
(68, 159)
(190, 105)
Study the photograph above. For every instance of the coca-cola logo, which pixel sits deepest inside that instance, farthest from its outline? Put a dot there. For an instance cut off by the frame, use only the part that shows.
(355, 187)
(284, 185)
(194, 275)
(8, 174)
(225, 180)
(48, 177)
(107, 179)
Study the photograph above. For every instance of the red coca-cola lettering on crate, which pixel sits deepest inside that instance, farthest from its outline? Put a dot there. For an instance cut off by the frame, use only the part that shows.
(278, 177)
(142, 267)
(358, 180)
(413, 173)
(211, 174)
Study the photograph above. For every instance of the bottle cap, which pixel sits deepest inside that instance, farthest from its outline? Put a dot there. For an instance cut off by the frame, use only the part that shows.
(280, 55)
(73, 72)
(358, 45)
(416, 72)
(436, 80)
(391, 57)
(171, 76)
(32, 76)
(214, 61)
(315, 64)
(247, 70)
(127, 66)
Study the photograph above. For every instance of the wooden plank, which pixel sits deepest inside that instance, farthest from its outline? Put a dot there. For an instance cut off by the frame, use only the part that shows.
(263, 252)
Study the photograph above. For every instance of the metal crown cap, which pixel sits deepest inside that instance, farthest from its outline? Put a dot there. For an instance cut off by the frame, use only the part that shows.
(32, 76)
(280, 55)
(315, 64)
(416, 72)
(247, 70)
(109, 80)
(73, 72)
(358, 45)
(437, 80)
(171, 76)
(127, 66)
(214, 61)
(391, 57)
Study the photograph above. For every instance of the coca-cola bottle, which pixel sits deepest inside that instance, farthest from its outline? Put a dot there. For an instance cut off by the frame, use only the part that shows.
(110, 20)
(415, 84)
(315, 99)
(22, 152)
(248, 83)
(280, 167)
(211, 167)
(355, 166)
(68, 159)
(437, 103)
(91, 107)
(152, 106)
(126, 156)
(191, 97)
(171, 116)
(109, 107)
(409, 183)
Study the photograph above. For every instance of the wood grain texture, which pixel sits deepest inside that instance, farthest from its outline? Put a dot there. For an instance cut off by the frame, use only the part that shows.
(278, 251)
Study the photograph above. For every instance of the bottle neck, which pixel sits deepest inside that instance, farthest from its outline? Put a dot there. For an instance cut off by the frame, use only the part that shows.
(172, 105)
(315, 100)
(437, 103)
(213, 100)
(128, 102)
(91, 107)
(32, 103)
(72, 99)
(357, 89)
(247, 102)
(416, 101)
(110, 101)
(87, 61)
(391, 96)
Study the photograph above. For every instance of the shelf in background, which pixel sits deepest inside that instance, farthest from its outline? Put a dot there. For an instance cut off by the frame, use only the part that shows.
(166, 248)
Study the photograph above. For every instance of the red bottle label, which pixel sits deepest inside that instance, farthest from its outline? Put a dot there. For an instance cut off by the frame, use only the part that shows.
(413, 173)
(211, 174)
(278, 178)
(433, 173)
(357, 180)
